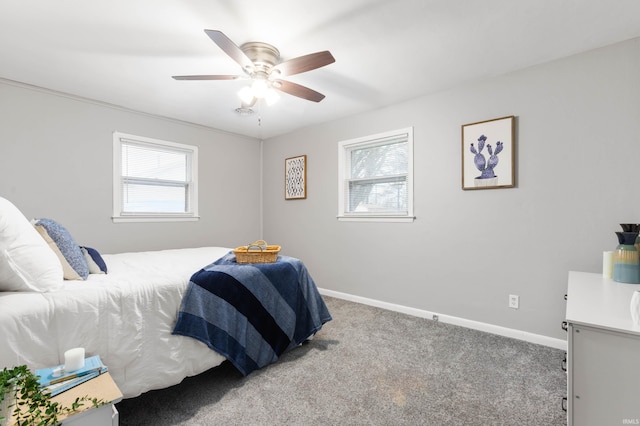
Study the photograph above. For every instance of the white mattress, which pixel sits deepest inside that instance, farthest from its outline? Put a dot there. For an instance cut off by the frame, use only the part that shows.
(126, 317)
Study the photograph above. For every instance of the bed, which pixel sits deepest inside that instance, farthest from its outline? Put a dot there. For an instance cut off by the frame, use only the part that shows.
(127, 315)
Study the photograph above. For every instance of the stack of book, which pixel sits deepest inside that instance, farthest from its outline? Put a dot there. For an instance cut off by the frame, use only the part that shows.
(55, 380)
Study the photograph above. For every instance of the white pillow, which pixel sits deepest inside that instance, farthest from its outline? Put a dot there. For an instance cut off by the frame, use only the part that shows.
(26, 261)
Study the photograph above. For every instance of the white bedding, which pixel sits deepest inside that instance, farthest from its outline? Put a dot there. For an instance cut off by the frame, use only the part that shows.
(125, 316)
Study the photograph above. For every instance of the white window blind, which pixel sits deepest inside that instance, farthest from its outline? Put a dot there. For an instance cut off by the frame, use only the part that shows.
(376, 176)
(154, 180)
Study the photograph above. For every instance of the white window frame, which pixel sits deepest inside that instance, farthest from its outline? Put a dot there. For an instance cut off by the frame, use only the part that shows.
(192, 155)
(344, 150)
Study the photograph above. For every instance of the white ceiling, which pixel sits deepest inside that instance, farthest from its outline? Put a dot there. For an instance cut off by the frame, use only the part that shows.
(124, 52)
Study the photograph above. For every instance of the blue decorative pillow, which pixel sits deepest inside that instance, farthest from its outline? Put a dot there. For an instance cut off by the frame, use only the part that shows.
(96, 259)
(67, 245)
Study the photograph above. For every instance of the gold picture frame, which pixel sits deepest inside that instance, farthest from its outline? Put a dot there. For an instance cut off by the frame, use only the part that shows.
(295, 178)
(488, 154)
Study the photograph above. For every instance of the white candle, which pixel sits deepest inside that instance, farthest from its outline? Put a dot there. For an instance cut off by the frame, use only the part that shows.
(607, 264)
(73, 359)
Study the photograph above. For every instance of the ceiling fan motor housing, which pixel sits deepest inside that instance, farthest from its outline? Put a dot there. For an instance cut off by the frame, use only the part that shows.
(264, 57)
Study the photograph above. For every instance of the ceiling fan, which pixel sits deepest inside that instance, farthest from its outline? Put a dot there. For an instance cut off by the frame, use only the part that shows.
(261, 63)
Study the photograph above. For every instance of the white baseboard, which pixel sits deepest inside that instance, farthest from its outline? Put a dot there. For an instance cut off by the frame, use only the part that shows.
(489, 328)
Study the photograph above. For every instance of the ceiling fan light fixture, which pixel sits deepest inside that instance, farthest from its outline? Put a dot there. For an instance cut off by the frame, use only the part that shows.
(259, 88)
(271, 97)
(246, 94)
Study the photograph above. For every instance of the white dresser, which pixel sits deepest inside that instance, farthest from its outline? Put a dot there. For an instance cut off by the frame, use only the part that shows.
(603, 358)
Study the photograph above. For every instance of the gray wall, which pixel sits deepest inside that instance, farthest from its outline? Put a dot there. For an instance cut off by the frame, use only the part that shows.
(56, 162)
(577, 127)
(577, 155)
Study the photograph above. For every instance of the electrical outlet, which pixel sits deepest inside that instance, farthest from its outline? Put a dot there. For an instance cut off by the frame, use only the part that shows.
(514, 301)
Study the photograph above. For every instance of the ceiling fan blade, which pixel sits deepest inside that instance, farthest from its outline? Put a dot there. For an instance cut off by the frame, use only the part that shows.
(231, 49)
(206, 77)
(297, 90)
(305, 63)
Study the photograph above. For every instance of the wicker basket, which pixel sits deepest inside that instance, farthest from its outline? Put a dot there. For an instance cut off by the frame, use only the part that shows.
(257, 252)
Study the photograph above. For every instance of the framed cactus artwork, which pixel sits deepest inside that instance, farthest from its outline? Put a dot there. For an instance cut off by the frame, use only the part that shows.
(488, 154)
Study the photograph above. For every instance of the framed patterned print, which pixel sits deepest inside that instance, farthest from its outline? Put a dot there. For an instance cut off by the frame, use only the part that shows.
(295, 178)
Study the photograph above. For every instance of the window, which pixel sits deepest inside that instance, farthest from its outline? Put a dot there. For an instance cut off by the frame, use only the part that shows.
(153, 180)
(376, 177)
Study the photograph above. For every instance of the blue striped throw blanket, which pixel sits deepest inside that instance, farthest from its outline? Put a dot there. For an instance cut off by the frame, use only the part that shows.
(251, 313)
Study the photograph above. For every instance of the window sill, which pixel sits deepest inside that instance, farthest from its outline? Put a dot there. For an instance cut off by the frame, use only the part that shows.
(124, 219)
(371, 218)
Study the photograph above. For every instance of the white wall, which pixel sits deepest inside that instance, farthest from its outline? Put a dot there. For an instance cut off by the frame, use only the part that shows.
(56, 162)
(577, 131)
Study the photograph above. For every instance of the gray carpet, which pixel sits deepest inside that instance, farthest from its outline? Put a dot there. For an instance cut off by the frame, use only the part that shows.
(370, 366)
